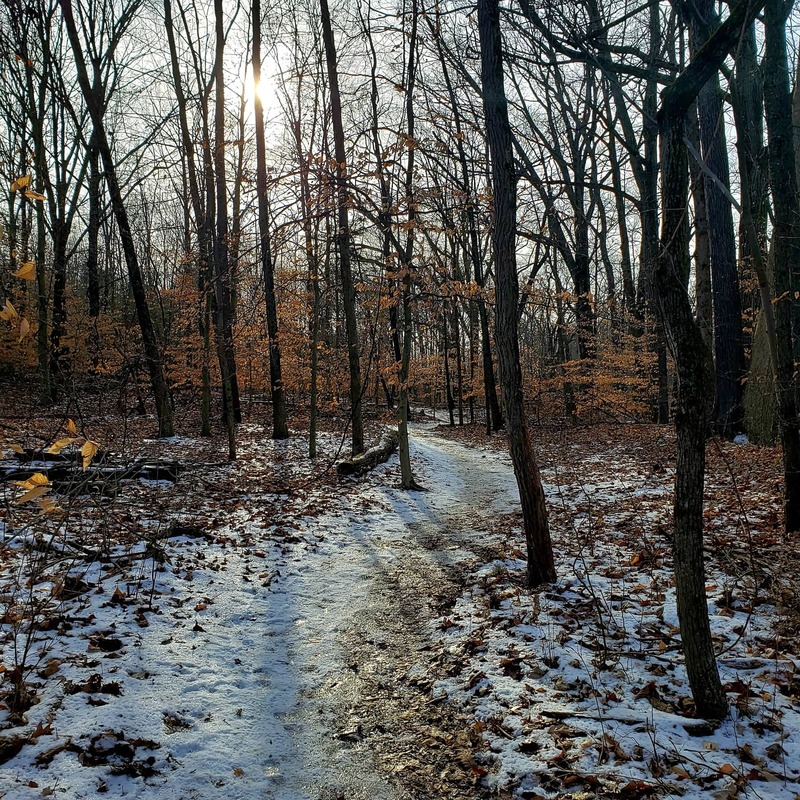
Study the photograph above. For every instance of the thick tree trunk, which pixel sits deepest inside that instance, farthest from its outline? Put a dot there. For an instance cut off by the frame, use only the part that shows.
(785, 249)
(693, 364)
(150, 342)
(728, 338)
(541, 566)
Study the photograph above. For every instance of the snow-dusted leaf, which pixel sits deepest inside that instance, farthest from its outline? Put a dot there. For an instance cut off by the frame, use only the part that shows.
(59, 445)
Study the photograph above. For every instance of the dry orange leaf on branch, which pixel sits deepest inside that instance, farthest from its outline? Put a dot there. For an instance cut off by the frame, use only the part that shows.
(26, 272)
(21, 183)
(88, 451)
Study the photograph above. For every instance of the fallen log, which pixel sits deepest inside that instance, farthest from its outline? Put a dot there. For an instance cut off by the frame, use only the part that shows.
(69, 477)
(370, 459)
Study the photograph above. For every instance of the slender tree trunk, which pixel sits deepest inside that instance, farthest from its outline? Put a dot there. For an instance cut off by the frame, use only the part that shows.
(150, 342)
(343, 233)
(692, 422)
(494, 416)
(541, 566)
(93, 232)
(702, 252)
(280, 429)
(221, 264)
(312, 285)
(58, 326)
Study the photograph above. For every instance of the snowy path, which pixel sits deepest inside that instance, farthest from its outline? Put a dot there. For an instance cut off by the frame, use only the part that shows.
(268, 674)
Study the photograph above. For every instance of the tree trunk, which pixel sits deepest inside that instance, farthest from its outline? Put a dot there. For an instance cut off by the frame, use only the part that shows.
(693, 364)
(149, 341)
(541, 566)
(222, 296)
(785, 249)
(343, 233)
(280, 429)
(728, 347)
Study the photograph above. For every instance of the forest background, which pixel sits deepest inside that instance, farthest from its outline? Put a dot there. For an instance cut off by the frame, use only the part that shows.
(572, 212)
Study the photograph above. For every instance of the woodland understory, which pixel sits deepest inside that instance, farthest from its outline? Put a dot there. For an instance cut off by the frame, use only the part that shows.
(545, 252)
(469, 686)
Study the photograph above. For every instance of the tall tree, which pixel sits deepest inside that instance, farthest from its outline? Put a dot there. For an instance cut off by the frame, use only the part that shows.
(96, 106)
(728, 346)
(222, 287)
(541, 567)
(280, 429)
(343, 232)
(785, 248)
(692, 362)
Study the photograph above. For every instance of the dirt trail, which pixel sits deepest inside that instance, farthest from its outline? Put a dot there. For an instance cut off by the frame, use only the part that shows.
(283, 657)
(366, 724)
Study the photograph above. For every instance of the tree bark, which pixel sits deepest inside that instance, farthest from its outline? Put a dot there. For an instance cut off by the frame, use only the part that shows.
(541, 567)
(149, 340)
(343, 233)
(280, 429)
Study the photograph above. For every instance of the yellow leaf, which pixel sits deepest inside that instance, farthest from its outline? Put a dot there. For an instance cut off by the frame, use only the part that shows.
(31, 195)
(9, 312)
(681, 772)
(16, 449)
(88, 452)
(727, 769)
(71, 427)
(39, 479)
(27, 272)
(33, 494)
(21, 183)
(47, 504)
(24, 328)
(59, 445)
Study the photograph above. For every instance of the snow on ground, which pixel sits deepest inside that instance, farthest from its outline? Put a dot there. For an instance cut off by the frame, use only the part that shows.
(214, 663)
(580, 689)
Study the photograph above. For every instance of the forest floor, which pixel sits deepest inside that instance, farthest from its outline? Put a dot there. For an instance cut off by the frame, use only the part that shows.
(267, 630)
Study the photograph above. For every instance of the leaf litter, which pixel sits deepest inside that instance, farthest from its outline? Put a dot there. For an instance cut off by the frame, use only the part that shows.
(268, 630)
